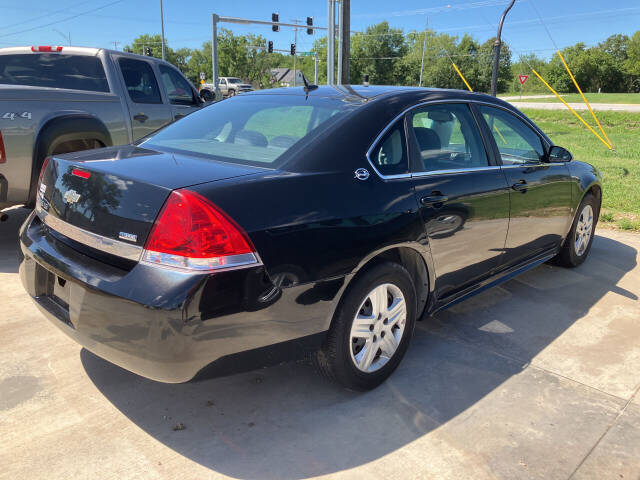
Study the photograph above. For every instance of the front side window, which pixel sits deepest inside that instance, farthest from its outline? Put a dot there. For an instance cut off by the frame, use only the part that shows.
(517, 142)
(256, 130)
(140, 81)
(390, 155)
(177, 87)
(447, 138)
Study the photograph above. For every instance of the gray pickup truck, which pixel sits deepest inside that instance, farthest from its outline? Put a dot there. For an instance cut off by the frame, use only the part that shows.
(57, 100)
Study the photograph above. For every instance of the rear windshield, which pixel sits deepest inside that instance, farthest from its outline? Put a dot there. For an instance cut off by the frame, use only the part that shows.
(250, 129)
(77, 72)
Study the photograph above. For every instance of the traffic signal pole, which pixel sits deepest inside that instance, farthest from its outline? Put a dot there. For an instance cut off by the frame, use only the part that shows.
(496, 51)
(215, 19)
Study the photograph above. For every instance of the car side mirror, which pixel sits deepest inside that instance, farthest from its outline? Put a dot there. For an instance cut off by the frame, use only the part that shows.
(559, 154)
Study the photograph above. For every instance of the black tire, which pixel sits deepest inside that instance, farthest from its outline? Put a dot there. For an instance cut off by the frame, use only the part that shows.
(334, 360)
(232, 93)
(207, 95)
(569, 256)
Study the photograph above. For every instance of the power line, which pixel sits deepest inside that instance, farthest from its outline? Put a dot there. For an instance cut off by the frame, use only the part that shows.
(63, 20)
(48, 14)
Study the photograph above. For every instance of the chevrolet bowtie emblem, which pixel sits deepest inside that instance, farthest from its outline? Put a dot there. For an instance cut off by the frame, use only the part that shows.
(71, 196)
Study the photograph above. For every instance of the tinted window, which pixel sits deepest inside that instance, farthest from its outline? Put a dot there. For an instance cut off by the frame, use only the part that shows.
(254, 130)
(140, 81)
(55, 70)
(447, 138)
(516, 141)
(390, 155)
(177, 87)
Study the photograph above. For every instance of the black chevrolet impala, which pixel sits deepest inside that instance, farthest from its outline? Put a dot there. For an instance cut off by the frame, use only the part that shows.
(289, 222)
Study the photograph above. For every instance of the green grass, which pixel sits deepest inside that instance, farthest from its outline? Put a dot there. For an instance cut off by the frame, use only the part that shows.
(631, 98)
(621, 171)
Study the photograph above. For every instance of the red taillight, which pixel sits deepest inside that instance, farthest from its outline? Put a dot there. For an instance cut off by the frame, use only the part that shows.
(191, 232)
(80, 173)
(44, 167)
(3, 154)
(46, 48)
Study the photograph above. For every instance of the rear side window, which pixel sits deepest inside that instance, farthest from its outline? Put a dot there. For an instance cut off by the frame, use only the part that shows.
(76, 72)
(140, 81)
(251, 129)
(447, 137)
(390, 155)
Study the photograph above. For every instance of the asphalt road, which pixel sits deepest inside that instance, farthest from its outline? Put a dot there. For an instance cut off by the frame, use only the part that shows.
(537, 378)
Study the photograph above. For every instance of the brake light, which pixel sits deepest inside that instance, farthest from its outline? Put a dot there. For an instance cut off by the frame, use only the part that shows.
(80, 173)
(46, 48)
(192, 233)
(3, 154)
(44, 167)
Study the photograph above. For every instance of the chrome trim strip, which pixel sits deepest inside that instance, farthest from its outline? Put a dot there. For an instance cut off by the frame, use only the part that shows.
(104, 244)
(456, 170)
(435, 102)
(172, 262)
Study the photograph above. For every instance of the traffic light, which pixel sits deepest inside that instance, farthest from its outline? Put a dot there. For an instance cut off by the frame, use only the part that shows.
(270, 47)
(293, 49)
(148, 52)
(310, 24)
(275, 17)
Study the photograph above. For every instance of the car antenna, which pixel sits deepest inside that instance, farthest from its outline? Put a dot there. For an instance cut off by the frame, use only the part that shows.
(308, 87)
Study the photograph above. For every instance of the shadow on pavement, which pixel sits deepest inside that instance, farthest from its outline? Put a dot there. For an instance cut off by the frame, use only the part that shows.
(9, 239)
(287, 422)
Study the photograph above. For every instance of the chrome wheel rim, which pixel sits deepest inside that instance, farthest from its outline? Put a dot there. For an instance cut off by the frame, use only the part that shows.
(378, 327)
(584, 229)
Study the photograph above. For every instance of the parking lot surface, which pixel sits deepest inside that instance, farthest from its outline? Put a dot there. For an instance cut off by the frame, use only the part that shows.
(537, 378)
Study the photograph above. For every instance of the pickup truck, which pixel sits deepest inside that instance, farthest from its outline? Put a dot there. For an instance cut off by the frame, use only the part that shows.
(57, 100)
(227, 86)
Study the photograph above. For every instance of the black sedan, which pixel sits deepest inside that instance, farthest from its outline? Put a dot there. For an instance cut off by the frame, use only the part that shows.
(287, 222)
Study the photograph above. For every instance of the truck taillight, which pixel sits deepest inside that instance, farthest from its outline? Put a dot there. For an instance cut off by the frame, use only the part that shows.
(46, 48)
(193, 233)
(3, 154)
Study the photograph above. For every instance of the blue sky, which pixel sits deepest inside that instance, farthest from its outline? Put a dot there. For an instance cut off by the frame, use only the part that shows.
(30, 22)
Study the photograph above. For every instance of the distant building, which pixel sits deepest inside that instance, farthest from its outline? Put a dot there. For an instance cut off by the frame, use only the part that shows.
(284, 76)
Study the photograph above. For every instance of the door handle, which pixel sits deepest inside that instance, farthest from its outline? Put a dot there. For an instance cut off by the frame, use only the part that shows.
(520, 186)
(141, 117)
(436, 199)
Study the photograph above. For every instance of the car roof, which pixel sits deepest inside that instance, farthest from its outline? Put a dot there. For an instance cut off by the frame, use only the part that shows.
(365, 94)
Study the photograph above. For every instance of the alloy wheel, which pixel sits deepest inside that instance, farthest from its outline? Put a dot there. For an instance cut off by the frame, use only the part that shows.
(378, 327)
(584, 229)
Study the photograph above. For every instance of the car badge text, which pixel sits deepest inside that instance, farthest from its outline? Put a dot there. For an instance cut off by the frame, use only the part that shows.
(128, 236)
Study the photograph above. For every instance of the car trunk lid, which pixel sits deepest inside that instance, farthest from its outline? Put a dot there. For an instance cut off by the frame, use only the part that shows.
(116, 193)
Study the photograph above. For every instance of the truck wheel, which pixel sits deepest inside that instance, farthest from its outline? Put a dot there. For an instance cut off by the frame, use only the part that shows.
(207, 95)
(371, 329)
(232, 93)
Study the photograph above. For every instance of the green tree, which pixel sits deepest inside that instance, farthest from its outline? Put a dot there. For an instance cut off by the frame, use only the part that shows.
(375, 52)
(179, 58)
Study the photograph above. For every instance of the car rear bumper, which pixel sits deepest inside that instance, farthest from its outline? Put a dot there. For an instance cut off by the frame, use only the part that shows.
(168, 325)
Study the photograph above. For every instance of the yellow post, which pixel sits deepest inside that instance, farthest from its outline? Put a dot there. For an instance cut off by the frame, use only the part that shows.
(584, 99)
(572, 110)
(462, 76)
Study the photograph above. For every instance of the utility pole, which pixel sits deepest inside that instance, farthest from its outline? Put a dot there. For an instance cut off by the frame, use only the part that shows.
(345, 41)
(115, 45)
(331, 32)
(424, 47)
(315, 68)
(496, 51)
(162, 27)
(295, 57)
(214, 50)
(340, 13)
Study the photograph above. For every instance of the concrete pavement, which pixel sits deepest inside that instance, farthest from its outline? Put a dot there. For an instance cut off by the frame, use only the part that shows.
(537, 378)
